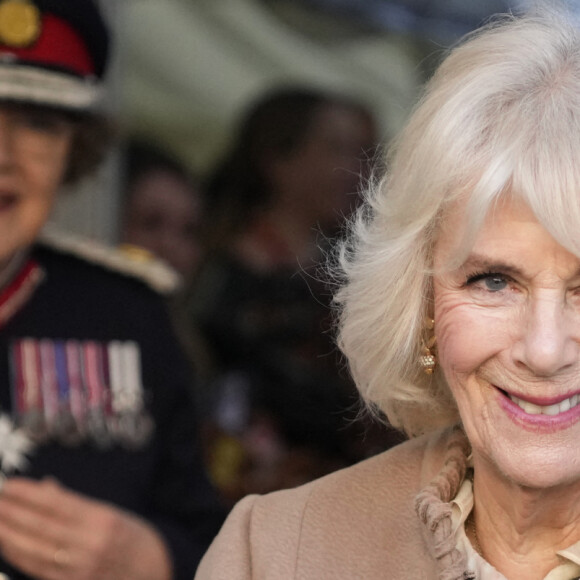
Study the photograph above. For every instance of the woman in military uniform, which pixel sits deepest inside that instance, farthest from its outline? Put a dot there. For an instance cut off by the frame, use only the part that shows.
(100, 473)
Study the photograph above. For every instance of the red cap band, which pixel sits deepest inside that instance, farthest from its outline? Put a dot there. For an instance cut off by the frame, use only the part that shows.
(58, 45)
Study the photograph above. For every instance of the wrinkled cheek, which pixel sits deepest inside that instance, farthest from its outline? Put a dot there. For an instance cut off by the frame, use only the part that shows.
(454, 366)
(457, 347)
(460, 354)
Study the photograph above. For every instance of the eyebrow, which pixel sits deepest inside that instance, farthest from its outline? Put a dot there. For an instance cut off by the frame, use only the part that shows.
(479, 262)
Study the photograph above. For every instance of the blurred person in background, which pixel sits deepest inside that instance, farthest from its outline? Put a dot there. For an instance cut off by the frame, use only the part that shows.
(163, 207)
(99, 453)
(292, 174)
(162, 217)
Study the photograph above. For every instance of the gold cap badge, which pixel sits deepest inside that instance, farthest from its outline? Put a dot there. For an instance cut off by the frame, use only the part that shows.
(20, 23)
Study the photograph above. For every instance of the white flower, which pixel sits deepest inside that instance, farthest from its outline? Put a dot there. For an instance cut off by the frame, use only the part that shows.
(14, 445)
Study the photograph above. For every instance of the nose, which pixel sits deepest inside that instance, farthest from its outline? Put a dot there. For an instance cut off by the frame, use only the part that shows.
(550, 340)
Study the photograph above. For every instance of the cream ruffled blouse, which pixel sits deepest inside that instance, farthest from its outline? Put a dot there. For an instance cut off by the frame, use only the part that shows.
(462, 505)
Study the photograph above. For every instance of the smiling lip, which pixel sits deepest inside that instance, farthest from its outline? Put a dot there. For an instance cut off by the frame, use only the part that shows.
(553, 409)
(542, 414)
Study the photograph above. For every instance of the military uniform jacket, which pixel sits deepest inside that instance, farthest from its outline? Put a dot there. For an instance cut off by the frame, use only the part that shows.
(91, 369)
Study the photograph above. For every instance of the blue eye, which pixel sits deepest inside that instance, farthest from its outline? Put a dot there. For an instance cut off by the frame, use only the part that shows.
(495, 283)
(491, 281)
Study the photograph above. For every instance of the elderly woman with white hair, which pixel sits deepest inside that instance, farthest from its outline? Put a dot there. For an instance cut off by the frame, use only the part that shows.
(460, 319)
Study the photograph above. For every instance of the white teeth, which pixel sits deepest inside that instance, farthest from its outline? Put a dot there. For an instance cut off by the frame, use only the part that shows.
(556, 409)
(551, 410)
(531, 409)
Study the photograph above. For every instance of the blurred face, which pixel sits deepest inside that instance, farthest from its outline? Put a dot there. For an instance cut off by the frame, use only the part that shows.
(508, 333)
(163, 216)
(34, 150)
(323, 175)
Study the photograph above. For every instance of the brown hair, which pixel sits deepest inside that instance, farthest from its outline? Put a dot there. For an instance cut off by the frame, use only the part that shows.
(94, 135)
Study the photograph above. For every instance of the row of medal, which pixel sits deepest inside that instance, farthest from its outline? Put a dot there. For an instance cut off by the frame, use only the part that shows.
(75, 391)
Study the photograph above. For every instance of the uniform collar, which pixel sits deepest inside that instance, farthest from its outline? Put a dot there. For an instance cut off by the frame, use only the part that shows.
(18, 281)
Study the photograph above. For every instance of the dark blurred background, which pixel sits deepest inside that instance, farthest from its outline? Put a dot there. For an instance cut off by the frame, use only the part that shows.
(187, 69)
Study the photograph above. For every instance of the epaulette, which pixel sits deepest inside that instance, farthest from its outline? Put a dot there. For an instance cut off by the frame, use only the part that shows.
(130, 261)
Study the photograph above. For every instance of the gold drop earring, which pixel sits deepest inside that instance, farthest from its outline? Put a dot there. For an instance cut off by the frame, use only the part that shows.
(427, 359)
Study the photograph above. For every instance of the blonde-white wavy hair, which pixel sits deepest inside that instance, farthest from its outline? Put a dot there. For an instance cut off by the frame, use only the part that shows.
(500, 116)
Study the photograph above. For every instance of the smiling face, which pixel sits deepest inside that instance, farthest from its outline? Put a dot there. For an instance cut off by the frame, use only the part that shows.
(507, 323)
(34, 150)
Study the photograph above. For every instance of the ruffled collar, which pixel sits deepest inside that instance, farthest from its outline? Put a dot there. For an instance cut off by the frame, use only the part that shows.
(433, 506)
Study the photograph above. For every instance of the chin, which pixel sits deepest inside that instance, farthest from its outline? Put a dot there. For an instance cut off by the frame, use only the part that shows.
(536, 467)
(530, 454)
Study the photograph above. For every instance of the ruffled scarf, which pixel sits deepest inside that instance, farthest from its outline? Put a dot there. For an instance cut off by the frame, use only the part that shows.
(433, 506)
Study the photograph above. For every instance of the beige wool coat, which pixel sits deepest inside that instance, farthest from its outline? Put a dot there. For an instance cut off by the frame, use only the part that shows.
(385, 518)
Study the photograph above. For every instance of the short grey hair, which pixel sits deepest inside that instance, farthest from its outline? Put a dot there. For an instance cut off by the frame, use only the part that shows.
(500, 116)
